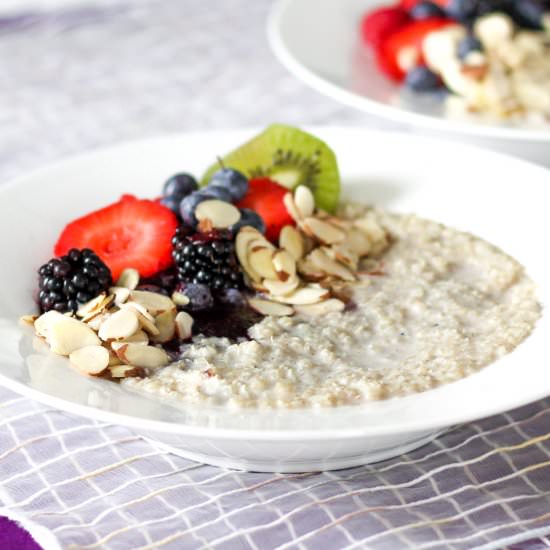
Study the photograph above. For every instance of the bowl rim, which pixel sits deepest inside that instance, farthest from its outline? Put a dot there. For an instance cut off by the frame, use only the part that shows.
(142, 423)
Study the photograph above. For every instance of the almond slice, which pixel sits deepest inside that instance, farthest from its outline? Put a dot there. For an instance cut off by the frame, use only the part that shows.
(305, 295)
(147, 325)
(165, 323)
(153, 302)
(309, 271)
(129, 278)
(265, 307)
(147, 357)
(180, 299)
(28, 319)
(371, 229)
(284, 264)
(261, 262)
(245, 236)
(184, 325)
(304, 201)
(44, 323)
(341, 253)
(113, 359)
(125, 371)
(329, 266)
(292, 241)
(119, 325)
(358, 242)
(120, 293)
(322, 308)
(280, 288)
(323, 231)
(290, 205)
(66, 335)
(138, 308)
(139, 337)
(101, 308)
(95, 321)
(90, 359)
(91, 306)
(221, 214)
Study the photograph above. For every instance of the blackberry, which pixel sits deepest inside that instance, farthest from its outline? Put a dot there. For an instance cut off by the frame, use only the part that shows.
(206, 258)
(71, 280)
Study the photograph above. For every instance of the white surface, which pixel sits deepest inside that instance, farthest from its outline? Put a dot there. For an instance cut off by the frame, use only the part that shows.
(330, 58)
(470, 189)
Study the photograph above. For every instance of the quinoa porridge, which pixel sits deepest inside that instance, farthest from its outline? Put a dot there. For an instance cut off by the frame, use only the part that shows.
(438, 306)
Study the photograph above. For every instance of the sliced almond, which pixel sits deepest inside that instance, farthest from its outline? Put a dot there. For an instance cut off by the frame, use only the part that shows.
(147, 357)
(323, 231)
(67, 335)
(153, 302)
(280, 288)
(343, 254)
(261, 262)
(44, 323)
(290, 205)
(95, 321)
(245, 236)
(180, 299)
(310, 271)
(113, 359)
(292, 241)
(100, 308)
(28, 319)
(129, 278)
(304, 201)
(125, 371)
(165, 323)
(119, 325)
(184, 325)
(284, 264)
(371, 228)
(358, 242)
(139, 337)
(330, 266)
(120, 293)
(92, 306)
(221, 214)
(147, 325)
(266, 307)
(322, 308)
(134, 306)
(90, 359)
(305, 295)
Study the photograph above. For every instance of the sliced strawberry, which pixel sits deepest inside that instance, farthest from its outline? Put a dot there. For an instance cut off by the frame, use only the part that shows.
(403, 49)
(265, 197)
(380, 23)
(129, 233)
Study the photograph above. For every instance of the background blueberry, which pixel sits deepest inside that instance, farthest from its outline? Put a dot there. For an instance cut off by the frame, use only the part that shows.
(468, 44)
(463, 10)
(233, 180)
(249, 217)
(421, 79)
(425, 10)
(529, 13)
(199, 296)
(221, 193)
(189, 204)
(179, 186)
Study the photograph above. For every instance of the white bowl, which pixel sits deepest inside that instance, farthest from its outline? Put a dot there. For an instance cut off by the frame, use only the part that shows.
(318, 41)
(501, 199)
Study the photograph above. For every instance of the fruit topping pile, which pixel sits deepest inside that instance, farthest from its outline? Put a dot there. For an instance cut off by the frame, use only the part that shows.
(131, 283)
(493, 55)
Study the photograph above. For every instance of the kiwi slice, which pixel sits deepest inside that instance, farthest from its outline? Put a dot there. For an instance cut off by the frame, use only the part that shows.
(290, 157)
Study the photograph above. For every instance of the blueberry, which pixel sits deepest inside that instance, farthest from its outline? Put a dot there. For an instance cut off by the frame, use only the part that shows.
(425, 10)
(172, 202)
(199, 296)
(249, 217)
(529, 13)
(179, 186)
(421, 79)
(221, 193)
(189, 204)
(232, 296)
(468, 44)
(233, 180)
(462, 10)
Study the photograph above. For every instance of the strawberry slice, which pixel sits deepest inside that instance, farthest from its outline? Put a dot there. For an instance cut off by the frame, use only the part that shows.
(265, 197)
(402, 50)
(129, 233)
(380, 23)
